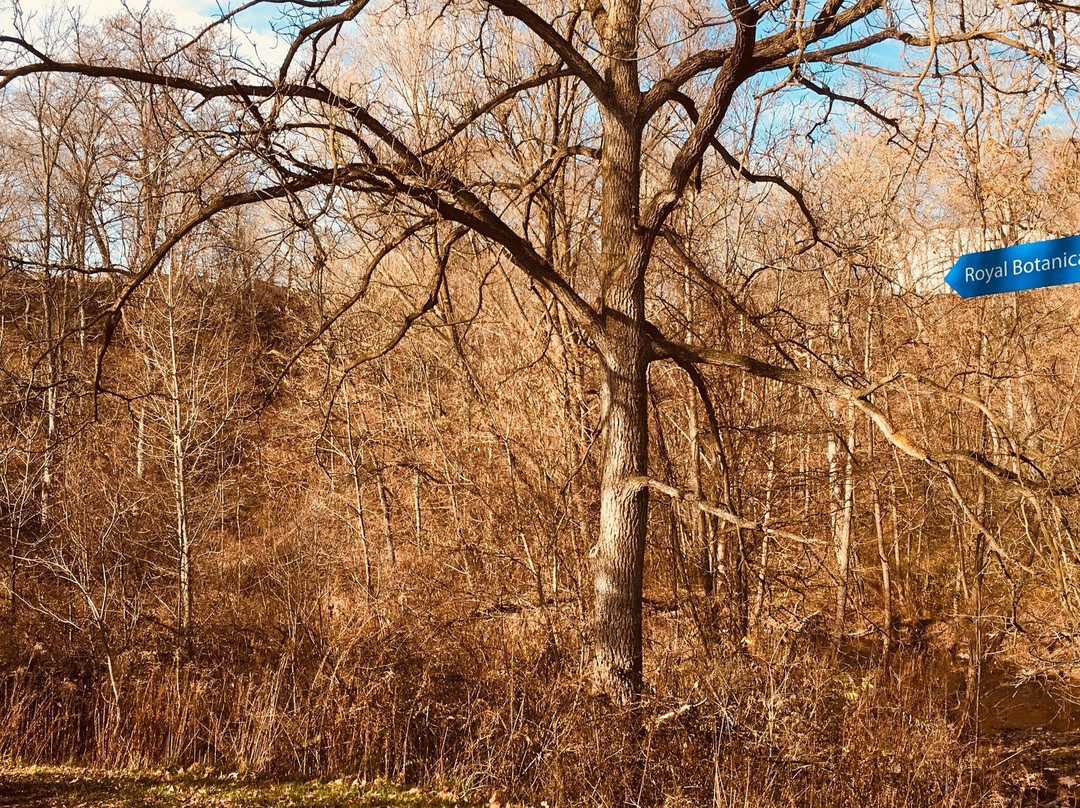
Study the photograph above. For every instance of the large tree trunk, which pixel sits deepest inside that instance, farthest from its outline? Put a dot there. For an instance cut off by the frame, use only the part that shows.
(624, 255)
(623, 514)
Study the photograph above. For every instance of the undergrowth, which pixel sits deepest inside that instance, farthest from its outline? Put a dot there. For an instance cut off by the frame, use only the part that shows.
(506, 704)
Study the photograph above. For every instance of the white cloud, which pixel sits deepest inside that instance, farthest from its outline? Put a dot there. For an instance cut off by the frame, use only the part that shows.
(253, 30)
(189, 16)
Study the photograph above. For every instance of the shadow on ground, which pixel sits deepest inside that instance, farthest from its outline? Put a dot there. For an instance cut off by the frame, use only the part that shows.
(48, 788)
(70, 787)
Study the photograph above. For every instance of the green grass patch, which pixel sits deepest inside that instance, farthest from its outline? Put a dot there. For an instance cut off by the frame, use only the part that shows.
(74, 787)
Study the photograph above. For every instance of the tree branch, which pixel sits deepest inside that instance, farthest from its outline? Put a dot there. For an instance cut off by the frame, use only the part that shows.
(541, 78)
(691, 109)
(860, 399)
(581, 66)
(684, 495)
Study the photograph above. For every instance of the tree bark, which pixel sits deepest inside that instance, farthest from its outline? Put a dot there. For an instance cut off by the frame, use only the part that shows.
(623, 515)
(844, 493)
(620, 549)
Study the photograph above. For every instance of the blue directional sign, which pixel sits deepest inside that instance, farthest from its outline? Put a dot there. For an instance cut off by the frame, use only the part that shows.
(1010, 269)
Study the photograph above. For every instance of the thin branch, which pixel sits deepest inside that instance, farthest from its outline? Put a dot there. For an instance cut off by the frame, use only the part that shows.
(365, 278)
(750, 176)
(683, 352)
(111, 316)
(317, 29)
(542, 77)
(827, 92)
(574, 60)
(684, 495)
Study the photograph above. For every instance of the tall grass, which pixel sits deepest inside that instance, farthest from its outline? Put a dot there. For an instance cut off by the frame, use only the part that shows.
(494, 706)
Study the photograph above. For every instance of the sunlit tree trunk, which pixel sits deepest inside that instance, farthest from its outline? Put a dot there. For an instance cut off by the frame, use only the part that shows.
(624, 416)
(763, 560)
(179, 476)
(841, 450)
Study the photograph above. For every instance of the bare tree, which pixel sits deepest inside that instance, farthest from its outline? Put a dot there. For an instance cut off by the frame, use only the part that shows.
(662, 104)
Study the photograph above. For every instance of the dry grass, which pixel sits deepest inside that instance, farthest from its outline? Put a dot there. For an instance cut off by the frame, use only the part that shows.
(492, 706)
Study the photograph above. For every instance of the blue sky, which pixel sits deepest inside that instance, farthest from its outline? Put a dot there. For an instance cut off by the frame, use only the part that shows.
(254, 26)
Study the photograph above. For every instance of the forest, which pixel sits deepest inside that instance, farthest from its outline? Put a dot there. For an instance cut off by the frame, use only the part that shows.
(553, 400)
